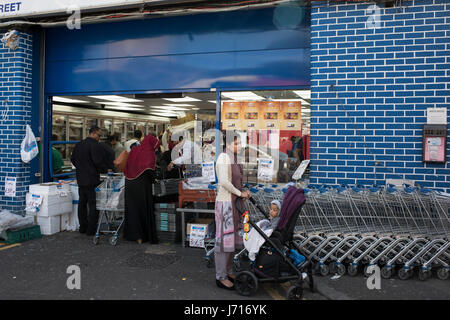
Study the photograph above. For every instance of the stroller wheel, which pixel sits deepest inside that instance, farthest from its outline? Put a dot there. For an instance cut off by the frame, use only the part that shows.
(95, 240)
(295, 293)
(246, 283)
(443, 273)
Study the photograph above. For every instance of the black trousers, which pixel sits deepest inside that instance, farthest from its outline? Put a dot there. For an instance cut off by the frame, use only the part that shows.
(87, 212)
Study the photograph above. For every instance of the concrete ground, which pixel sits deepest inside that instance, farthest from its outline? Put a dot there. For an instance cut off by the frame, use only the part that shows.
(37, 270)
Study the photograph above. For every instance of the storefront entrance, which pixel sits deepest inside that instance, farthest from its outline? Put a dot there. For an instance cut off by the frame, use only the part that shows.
(203, 56)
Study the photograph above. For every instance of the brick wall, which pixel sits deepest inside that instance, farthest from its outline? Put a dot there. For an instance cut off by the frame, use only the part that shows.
(15, 106)
(370, 88)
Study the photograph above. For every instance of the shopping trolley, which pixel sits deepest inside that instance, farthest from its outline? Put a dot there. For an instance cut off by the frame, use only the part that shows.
(110, 201)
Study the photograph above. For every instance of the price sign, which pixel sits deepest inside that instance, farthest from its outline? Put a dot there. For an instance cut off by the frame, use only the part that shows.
(33, 202)
(197, 235)
(265, 169)
(10, 186)
(208, 171)
(300, 170)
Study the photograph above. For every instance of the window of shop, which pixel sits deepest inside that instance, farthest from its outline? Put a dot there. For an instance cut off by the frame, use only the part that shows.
(274, 125)
(72, 117)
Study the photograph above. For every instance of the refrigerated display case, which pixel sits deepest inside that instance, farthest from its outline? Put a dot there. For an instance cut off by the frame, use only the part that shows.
(119, 128)
(142, 126)
(107, 126)
(90, 122)
(131, 126)
(59, 124)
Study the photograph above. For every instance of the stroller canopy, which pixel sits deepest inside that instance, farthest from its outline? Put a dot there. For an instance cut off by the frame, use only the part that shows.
(293, 199)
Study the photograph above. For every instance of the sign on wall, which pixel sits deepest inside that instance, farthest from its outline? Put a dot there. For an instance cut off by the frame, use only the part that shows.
(22, 8)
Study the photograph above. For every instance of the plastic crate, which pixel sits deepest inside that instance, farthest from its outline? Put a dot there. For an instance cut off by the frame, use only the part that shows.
(168, 222)
(25, 234)
(166, 207)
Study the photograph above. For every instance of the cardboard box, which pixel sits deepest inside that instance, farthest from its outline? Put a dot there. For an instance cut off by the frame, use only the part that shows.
(52, 204)
(209, 222)
(53, 224)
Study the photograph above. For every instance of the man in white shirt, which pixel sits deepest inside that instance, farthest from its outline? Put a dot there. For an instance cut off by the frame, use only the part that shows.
(137, 137)
(186, 153)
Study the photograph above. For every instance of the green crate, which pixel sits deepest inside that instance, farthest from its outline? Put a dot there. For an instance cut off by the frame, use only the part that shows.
(15, 236)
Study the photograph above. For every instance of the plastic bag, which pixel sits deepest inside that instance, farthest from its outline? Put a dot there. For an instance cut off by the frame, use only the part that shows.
(28, 148)
(11, 220)
(117, 198)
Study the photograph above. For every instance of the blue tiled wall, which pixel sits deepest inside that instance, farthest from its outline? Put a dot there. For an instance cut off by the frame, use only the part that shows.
(371, 87)
(15, 106)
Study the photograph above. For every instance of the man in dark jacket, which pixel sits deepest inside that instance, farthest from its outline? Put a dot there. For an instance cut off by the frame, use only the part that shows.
(88, 157)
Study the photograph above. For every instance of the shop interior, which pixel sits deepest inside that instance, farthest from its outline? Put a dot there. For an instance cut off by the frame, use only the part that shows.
(271, 123)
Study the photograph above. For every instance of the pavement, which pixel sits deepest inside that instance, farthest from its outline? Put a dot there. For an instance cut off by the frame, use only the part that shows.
(38, 270)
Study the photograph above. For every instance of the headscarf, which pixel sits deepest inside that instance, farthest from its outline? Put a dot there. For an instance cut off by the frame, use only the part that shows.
(142, 157)
(277, 203)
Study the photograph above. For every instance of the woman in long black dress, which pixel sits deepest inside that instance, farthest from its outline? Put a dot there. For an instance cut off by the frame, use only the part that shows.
(139, 223)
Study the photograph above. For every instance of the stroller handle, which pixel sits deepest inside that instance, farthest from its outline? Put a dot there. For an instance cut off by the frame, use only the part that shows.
(241, 210)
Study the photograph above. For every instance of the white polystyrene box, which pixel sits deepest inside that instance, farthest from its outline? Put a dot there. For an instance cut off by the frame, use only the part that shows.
(53, 224)
(73, 219)
(49, 188)
(74, 190)
(53, 204)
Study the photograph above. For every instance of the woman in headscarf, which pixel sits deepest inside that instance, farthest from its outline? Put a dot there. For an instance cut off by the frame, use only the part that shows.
(228, 220)
(139, 223)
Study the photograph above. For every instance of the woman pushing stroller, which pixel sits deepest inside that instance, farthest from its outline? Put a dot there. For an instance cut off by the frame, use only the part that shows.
(228, 219)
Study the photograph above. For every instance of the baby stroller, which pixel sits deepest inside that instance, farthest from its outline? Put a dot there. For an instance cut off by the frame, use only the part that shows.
(274, 261)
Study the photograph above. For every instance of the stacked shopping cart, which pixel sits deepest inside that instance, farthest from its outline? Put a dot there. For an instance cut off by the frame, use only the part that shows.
(344, 228)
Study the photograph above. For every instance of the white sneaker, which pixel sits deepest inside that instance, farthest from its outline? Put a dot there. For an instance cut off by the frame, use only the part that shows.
(304, 275)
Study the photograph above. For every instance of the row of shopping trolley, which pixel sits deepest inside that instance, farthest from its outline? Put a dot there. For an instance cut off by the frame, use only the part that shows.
(344, 229)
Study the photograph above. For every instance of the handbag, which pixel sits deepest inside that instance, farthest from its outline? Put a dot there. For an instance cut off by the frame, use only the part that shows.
(121, 161)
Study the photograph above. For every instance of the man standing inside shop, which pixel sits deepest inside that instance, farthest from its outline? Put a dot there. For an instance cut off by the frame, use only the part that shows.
(88, 159)
(186, 153)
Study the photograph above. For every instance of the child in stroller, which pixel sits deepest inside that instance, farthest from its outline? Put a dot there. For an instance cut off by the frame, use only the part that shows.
(278, 259)
(253, 241)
